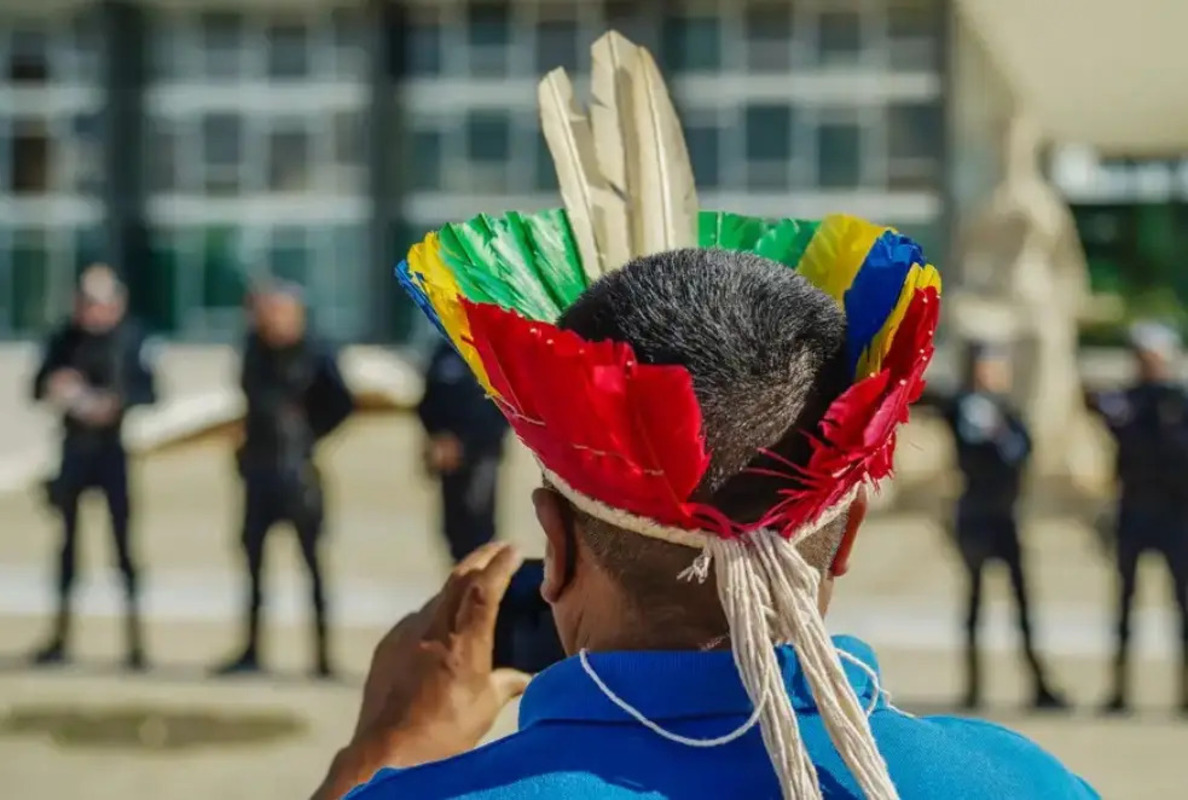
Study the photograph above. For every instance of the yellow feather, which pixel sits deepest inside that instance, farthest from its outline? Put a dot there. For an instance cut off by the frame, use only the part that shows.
(836, 253)
(919, 278)
(434, 277)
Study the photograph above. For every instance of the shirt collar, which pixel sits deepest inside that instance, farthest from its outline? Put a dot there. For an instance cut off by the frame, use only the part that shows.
(678, 685)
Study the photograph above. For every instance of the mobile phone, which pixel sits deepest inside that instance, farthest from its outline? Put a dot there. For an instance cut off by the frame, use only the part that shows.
(525, 634)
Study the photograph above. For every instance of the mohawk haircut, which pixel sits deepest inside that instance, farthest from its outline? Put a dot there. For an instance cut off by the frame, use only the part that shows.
(766, 351)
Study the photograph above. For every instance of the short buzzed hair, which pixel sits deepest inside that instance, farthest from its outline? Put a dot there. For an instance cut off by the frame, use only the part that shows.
(766, 351)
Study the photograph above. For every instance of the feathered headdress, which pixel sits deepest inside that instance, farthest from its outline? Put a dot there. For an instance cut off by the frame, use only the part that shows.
(622, 440)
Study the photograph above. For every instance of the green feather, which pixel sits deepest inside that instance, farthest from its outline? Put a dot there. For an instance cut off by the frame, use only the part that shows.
(786, 241)
(558, 260)
(493, 262)
(729, 231)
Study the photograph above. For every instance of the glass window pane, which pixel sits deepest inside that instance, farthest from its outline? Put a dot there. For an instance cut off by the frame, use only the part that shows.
(161, 308)
(348, 138)
(29, 56)
(915, 28)
(221, 40)
(915, 130)
(769, 133)
(546, 174)
(289, 257)
(839, 150)
(223, 276)
(557, 45)
(489, 23)
(30, 270)
(289, 161)
(222, 147)
(422, 42)
(85, 142)
(425, 164)
(839, 36)
(288, 50)
(488, 137)
(692, 44)
(630, 18)
(350, 47)
(161, 156)
(86, 45)
(704, 152)
(31, 165)
(768, 31)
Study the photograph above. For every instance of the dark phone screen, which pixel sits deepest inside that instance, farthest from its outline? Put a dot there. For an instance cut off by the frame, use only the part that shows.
(525, 634)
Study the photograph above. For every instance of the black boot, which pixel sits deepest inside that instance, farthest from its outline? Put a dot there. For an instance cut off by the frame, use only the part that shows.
(1047, 699)
(322, 667)
(53, 652)
(135, 659)
(248, 659)
(1184, 686)
(1118, 702)
(972, 699)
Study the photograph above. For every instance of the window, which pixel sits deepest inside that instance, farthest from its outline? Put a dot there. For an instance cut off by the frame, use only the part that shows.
(86, 161)
(839, 38)
(489, 36)
(289, 256)
(557, 43)
(914, 28)
(223, 274)
(222, 148)
(29, 56)
(692, 44)
(30, 266)
(915, 145)
(768, 41)
(422, 41)
(839, 154)
(289, 161)
(630, 18)
(704, 153)
(288, 50)
(348, 138)
(161, 157)
(350, 48)
(31, 165)
(488, 137)
(546, 173)
(221, 42)
(426, 161)
(769, 133)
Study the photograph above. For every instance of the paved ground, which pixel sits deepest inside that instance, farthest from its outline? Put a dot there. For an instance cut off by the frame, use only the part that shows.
(92, 732)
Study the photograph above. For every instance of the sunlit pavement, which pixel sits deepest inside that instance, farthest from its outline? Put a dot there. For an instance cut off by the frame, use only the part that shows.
(91, 731)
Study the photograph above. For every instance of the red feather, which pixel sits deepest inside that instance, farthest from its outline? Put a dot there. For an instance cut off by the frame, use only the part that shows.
(624, 433)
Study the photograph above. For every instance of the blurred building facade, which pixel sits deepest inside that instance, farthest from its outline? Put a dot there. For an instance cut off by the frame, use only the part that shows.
(198, 145)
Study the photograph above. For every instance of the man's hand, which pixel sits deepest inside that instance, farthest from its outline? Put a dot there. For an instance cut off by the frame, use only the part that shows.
(432, 692)
(63, 386)
(443, 454)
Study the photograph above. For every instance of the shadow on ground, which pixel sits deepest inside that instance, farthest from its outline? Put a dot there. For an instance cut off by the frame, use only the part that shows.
(137, 727)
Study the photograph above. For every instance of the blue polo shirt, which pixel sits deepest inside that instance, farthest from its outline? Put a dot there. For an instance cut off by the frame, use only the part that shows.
(573, 743)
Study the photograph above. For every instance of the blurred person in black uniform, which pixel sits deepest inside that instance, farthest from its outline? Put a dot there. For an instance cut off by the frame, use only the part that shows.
(295, 397)
(993, 447)
(463, 448)
(96, 366)
(1149, 421)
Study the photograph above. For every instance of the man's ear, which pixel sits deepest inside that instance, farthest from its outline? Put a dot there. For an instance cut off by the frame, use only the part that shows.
(854, 519)
(556, 520)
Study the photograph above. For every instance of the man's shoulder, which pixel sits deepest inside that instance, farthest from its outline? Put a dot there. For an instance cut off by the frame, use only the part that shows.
(974, 759)
(527, 764)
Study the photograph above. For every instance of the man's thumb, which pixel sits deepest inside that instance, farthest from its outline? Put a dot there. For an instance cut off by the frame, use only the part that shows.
(509, 684)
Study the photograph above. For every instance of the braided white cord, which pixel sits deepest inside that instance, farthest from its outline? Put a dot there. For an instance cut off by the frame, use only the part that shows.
(638, 716)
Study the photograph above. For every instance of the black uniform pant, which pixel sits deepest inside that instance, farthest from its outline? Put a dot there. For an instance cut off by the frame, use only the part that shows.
(468, 505)
(1164, 531)
(103, 467)
(270, 498)
(984, 536)
(85, 466)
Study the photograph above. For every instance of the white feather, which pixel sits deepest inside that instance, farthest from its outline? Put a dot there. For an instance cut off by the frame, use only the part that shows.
(612, 112)
(571, 143)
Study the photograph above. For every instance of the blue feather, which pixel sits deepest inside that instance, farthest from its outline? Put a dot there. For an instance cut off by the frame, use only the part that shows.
(876, 290)
(405, 279)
